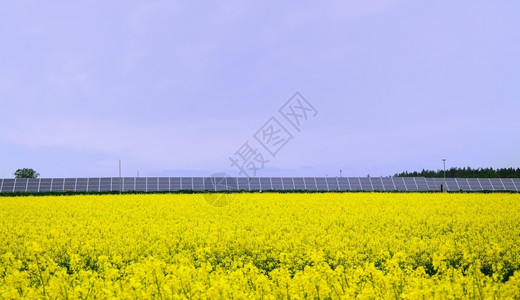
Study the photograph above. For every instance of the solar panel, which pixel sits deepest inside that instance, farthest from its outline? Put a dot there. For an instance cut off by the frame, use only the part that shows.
(57, 184)
(354, 183)
(33, 185)
(377, 183)
(452, 184)
(20, 185)
(8, 186)
(70, 184)
(463, 184)
(164, 184)
(288, 183)
(497, 184)
(175, 184)
(310, 183)
(509, 184)
(421, 184)
(232, 183)
(152, 184)
(344, 184)
(258, 183)
(197, 184)
(432, 186)
(410, 184)
(388, 184)
(474, 184)
(366, 183)
(45, 184)
(277, 183)
(265, 184)
(516, 182)
(399, 183)
(254, 184)
(105, 184)
(486, 184)
(243, 183)
(128, 184)
(221, 184)
(93, 184)
(186, 183)
(332, 183)
(299, 184)
(321, 184)
(138, 184)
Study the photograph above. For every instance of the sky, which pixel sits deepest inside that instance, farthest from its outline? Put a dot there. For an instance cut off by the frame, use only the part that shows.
(190, 88)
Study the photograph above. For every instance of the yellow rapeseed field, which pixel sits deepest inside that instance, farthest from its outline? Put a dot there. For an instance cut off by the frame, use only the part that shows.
(267, 245)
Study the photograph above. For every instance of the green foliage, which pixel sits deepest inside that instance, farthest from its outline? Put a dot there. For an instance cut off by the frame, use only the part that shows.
(26, 173)
(465, 173)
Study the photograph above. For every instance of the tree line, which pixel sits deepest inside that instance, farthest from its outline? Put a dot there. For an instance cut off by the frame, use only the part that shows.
(465, 173)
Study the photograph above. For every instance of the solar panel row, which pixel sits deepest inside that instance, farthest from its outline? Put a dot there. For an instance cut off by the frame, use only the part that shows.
(150, 184)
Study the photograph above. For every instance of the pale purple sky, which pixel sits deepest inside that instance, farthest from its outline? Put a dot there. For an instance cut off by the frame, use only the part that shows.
(175, 88)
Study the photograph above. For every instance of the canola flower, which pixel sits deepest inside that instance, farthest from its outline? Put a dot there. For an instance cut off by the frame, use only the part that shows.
(266, 246)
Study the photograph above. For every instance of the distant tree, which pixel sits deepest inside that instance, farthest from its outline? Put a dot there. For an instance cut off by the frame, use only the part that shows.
(26, 173)
(465, 173)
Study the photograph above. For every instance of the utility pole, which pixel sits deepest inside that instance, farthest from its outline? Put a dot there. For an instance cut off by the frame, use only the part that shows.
(444, 167)
(340, 173)
(120, 181)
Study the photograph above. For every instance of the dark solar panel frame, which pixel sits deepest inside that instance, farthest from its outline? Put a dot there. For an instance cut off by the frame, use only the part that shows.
(388, 184)
(366, 184)
(516, 183)
(129, 184)
(509, 184)
(20, 185)
(299, 184)
(486, 184)
(321, 184)
(243, 183)
(497, 184)
(198, 183)
(221, 184)
(8, 185)
(93, 184)
(265, 184)
(377, 183)
(474, 184)
(410, 184)
(332, 183)
(310, 184)
(254, 184)
(277, 184)
(33, 185)
(105, 184)
(399, 184)
(288, 183)
(463, 184)
(175, 184)
(69, 185)
(57, 184)
(421, 184)
(354, 184)
(45, 185)
(151, 184)
(164, 184)
(344, 184)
